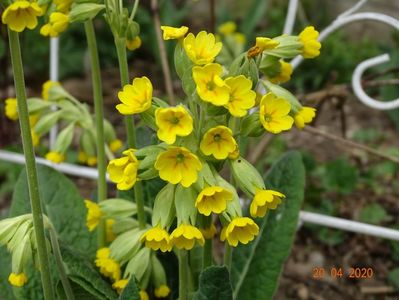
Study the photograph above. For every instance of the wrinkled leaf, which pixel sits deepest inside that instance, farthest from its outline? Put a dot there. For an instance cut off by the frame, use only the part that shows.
(214, 284)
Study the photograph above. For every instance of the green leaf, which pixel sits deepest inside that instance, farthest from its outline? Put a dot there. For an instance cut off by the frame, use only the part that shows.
(340, 176)
(393, 278)
(214, 284)
(131, 291)
(256, 267)
(256, 12)
(373, 213)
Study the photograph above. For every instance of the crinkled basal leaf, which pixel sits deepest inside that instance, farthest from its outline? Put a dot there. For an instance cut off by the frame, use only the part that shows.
(214, 284)
(256, 268)
(130, 292)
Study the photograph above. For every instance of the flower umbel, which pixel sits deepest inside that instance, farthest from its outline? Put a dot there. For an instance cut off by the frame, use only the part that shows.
(185, 236)
(201, 49)
(136, 97)
(304, 116)
(178, 165)
(157, 238)
(173, 33)
(210, 86)
(21, 14)
(172, 122)
(94, 215)
(17, 280)
(123, 171)
(213, 199)
(264, 200)
(219, 142)
(242, 97)
(274, 113)
(241, 229)
(311, 46)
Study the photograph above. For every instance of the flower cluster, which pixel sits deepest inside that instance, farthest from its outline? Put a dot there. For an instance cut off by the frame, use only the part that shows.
(197, 137)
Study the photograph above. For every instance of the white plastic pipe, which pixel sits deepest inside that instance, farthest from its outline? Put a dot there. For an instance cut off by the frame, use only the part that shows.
(291, 16)
(54, 76)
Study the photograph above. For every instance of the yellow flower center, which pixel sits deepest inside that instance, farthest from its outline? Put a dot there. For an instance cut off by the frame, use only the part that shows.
(174, 120)
(210, 85)
(268, 118)
(180, 157)
(217, 137)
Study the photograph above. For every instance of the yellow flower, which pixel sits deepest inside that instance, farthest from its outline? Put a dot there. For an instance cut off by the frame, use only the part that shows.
(143, 295)
(173, 33)
(21, 14)
(63, 5)
(58, 23)
(46, 88)
(94, 215)
(264, 200)
(185, 236)
(235, 154)
(209, 232)
(33, 119)
(120, 285)
(262, 44)
(304, 116)
(91, 161)
(82, 157)
(241, 229)
(311, 46)
(35, 138)
(273, 113)
(18, 279)
(213, 199)
(157, 238)
(162, 291)
(136, 98)
(240, 38)
(109, 232)
(115, 145)
(227, 28)
(242, 97)
(11, 108)
(210, 86)
(219, 142)
(285, 73)
(108, 266)
(172, 122)
(133, 44)
(123, 171)
(178, 165)
(55, 157)
(201, 49)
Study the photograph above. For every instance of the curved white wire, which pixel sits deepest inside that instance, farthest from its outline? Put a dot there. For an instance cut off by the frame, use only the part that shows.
(358, 89)
(54, 72)
(291, 15)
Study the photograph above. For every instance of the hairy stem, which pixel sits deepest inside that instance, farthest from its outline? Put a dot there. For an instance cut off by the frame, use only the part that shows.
(30, 164)
(99, 117)
(183, 274)
(228, 251)
(207, 258)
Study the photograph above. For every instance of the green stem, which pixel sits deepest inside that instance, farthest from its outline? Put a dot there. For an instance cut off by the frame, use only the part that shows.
(30, 163)
(228, 251)
(60, 265)
(134, 10)
(183, 274)
(120, 44)
(99, 116)
(207, 258)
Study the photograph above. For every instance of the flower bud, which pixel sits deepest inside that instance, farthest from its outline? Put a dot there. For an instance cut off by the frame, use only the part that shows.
(47, 122)
(288, 47)
(85, 11)
(87, 144)
(126, 245)
(64, 139)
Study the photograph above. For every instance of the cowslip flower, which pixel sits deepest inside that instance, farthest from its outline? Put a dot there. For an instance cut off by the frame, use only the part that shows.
(263, 201)
(240, 229)
(213, 199)
(172, 122)
(134, 43)
(143, 295)
(178, 165)
(311, 46)
(210, 86)
(274, 113)
(93, 216)
(63, 5)
(209, 232)
(157, 238)
(304, 116)
(185, 236)
(173, 33)
(21, 14)
(262, 44)
(55, 157)
(120, 285)
(285, 73)
(11, 108)
(46, 88)
(108, 266)
(227, 28)
(136, 97)
(92, 161)
(242, 97)
(219, 142)
(17, 280)
(162, 291)
(58, 23)
(123, 170)
(201, 49)
(115, 145)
